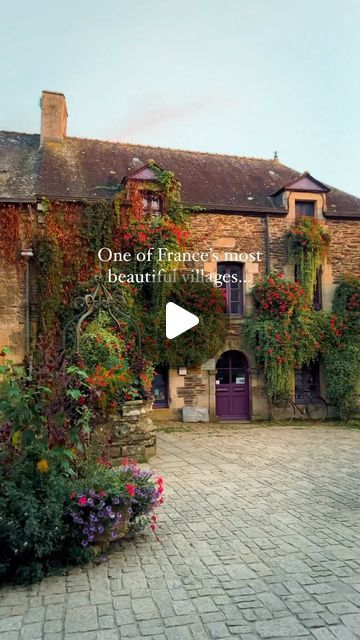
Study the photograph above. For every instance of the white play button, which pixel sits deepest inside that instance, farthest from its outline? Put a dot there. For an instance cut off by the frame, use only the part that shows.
(178, 320)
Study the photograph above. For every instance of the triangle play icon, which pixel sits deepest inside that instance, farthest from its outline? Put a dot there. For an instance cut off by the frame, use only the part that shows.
(178, 320)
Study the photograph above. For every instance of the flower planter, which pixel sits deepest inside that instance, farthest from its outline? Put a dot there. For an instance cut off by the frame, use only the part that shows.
(133, 432)
(120, 531)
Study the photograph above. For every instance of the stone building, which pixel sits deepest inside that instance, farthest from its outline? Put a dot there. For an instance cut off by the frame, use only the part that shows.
(247, 206)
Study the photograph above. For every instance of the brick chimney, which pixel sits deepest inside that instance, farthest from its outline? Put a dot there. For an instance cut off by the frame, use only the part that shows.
(53, 116)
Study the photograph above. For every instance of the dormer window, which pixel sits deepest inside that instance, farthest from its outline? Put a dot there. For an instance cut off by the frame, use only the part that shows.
(305, 208)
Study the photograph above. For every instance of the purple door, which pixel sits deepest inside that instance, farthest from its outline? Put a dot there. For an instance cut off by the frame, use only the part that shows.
(232, 386)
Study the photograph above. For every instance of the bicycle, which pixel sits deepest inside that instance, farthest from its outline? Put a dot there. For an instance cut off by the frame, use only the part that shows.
(315, 408)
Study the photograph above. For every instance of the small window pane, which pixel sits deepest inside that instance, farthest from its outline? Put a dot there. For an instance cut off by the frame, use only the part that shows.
(237, 360)
(305, 208)
(160, 387)
(238, 376)
(234, 290)
(223, 376)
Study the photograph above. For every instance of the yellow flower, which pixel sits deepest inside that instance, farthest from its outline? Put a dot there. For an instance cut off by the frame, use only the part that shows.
(43, 466)
(16, 439)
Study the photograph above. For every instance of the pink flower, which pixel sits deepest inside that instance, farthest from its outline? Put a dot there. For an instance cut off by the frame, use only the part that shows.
(82, 501)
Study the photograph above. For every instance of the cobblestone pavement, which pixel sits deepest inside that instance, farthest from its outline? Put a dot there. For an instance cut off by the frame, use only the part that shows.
(260, 539)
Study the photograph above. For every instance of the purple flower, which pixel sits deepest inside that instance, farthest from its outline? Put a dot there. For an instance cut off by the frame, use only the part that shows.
(84, 543)
(101, 528)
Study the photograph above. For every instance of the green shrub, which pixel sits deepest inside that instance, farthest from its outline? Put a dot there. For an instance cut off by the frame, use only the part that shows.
(100, 345)
(34, 537)
(342, 349)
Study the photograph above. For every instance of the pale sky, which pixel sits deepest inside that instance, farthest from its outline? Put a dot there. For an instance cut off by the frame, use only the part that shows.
(243, 77)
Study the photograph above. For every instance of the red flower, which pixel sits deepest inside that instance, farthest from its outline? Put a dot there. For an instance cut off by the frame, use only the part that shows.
(102, 494)
(130, 489)
(72, 496)
(82, 502)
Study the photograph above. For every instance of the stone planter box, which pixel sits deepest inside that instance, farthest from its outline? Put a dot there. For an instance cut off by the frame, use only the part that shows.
(133, 432)
(121, 531)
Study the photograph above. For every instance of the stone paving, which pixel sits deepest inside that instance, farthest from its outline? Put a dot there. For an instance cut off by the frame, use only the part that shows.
(259, 539)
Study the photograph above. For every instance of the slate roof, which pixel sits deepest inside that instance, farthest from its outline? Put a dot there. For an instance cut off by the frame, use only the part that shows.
(78, 169)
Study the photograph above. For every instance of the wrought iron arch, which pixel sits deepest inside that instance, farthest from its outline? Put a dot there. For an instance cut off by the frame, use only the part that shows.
(92, 303)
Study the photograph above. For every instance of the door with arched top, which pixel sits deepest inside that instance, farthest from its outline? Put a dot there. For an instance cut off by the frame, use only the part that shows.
(232, 386)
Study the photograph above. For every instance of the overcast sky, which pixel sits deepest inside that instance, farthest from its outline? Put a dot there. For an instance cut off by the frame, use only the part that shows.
(242, 77)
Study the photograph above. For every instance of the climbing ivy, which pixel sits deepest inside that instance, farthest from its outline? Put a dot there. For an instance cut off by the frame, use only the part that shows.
(284, 332)
(341, 348)
(10, 234)
(308, 245)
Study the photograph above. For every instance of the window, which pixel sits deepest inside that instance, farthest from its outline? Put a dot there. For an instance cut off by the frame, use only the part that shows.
(307, 380)
(160, 387)
(151, 202)
(231, 368)
(317, 299)
(232, 284)
(305, 208)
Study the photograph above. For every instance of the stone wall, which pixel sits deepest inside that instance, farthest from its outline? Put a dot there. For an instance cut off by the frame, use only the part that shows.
(223, 233)
(133, 432)
(345, 247)
(12, 310)
(12, 283)
(227, 232)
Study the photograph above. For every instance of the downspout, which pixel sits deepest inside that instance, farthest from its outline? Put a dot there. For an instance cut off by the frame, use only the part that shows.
(27, 254)
(267, 244)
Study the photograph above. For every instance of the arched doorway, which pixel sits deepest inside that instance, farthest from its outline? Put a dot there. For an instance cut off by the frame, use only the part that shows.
(232, 386)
